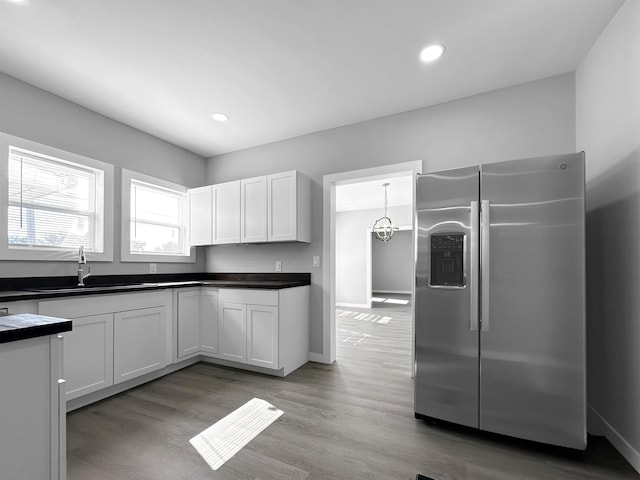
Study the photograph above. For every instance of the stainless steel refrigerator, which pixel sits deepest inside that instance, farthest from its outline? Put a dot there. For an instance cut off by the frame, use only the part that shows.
(500, 298)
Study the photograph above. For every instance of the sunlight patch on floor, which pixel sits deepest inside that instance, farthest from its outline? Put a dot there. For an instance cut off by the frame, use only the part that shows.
(397, 301)
(354, 338)
(366, 317)
(227, 436)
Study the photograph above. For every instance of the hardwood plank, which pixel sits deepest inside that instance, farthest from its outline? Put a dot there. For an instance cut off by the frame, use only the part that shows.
(350, 420)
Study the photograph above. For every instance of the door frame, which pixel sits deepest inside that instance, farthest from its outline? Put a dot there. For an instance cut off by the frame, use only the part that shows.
(329, 183)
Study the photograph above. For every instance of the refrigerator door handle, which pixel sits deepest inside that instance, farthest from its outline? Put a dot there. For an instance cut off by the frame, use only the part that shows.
(474, 276)
(485, 263)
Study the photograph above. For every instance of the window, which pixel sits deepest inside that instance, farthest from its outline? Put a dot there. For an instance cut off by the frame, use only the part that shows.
(155, 227)
(55, 203)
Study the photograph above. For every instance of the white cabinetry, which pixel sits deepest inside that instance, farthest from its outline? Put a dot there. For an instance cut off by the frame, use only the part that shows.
(114, 337)
(138, 342)
(265, 328)
(262, 336)
(226, 213)
(289, 206)
(88, 356)
(270, 208)
(232, 321)
(209, 321)
(32, 410)
(188, 303)
(197, 319)
(253, 218)
(201, 216)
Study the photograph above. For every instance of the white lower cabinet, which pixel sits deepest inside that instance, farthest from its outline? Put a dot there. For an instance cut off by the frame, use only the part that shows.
(88, 356)
(114, 338)
(264, 328)
(232, 321)
(188, 303)
(209, 321)
(32, 410)
(138, 342)
(262, 336)
(197, 321)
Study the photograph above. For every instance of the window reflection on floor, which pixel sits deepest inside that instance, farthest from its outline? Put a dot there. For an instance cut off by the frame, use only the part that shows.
(385, 326)
(396, 301)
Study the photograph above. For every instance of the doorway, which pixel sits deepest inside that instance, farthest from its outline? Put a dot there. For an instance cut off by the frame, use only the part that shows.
(373, 277)
(330, 183)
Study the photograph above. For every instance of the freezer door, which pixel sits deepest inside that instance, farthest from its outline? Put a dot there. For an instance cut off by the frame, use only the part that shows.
(532, 342)
(446, 328)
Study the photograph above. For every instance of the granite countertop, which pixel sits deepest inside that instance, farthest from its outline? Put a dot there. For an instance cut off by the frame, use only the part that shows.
(53, 287)
(22, 326)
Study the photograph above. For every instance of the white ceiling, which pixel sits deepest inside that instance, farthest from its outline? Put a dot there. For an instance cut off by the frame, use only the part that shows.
(370, 194)
(284, 68)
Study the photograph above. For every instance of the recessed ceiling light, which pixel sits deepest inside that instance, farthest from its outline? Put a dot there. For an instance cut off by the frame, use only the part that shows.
(220, 117)
(432, 52)
(18, 2)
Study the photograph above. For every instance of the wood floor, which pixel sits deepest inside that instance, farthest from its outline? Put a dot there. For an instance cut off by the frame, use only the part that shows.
(350, 420)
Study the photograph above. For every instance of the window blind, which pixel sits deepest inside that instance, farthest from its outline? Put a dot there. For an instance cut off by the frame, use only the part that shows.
(157, 220)
(53, 203)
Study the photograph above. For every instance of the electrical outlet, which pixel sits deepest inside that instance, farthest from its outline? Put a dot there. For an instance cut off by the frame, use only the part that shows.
(278, 266)
(316, 260)
(153, 268)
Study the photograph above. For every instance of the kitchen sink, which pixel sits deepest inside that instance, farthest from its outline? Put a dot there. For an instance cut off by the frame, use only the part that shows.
(119, 286)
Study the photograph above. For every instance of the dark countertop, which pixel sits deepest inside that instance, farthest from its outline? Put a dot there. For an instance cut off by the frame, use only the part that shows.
(37, 288)
(22, 326)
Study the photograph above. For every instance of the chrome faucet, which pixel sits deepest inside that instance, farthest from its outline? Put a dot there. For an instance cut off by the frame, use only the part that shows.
(82, 260)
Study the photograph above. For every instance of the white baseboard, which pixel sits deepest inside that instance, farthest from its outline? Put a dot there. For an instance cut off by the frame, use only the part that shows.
(599, 426)
(353, 305)
(393, 292)
(316, 357)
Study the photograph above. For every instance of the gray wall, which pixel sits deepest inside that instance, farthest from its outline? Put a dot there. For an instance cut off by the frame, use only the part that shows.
(533, 119)
(608, 129)
(31, 113)
(351, 250)
(392, 263)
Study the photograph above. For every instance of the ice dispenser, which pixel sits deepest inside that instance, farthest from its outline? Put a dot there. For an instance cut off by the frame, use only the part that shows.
(447, 269)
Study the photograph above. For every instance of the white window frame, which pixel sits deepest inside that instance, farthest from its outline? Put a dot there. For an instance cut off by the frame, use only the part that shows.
(126, 255)
(48, 254)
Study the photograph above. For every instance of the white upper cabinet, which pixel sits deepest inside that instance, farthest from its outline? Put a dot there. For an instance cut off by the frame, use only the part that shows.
(226, 216)
(201, 216)
(289, 207)
(270, 208)
(253, 217)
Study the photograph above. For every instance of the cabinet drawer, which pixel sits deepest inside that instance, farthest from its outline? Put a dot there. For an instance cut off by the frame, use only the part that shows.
(249, 297)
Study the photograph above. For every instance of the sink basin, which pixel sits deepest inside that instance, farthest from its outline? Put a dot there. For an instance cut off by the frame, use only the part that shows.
(86, 288)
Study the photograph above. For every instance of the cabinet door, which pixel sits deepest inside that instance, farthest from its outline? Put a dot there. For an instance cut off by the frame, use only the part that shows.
(253, 218)
(226, 202)
(262, 336)
(282, 212)
(139, 342)
(188, 322)
(88, 355)
(209, 321)
(232, 318)
(200, 215)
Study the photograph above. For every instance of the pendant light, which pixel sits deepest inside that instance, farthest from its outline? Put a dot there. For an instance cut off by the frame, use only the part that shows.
(383, 227)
